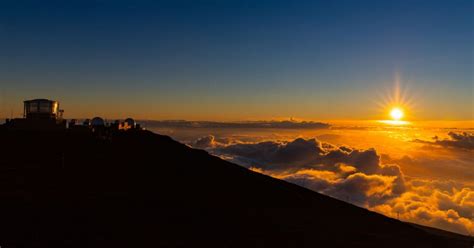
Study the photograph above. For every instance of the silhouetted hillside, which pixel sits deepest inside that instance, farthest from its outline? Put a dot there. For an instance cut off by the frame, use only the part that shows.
(139, 189)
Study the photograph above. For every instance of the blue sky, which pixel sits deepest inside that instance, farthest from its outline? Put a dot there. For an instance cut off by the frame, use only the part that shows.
(237, 59)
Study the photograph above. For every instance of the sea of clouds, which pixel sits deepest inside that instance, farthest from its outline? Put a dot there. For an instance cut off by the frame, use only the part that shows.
(360, 176)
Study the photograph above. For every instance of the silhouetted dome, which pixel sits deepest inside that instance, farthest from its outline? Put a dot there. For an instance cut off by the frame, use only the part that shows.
(130, 122)
(97, 122)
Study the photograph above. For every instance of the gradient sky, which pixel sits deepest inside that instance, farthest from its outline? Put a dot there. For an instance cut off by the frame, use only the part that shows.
(238, 60)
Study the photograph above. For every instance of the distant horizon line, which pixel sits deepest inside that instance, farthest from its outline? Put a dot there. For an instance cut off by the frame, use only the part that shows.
(248, 120)
(291, 123)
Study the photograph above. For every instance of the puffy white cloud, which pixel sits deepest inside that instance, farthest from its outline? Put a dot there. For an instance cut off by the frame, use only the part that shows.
(358, 188)
(434, 203)
(342, 172)
(363, 189)
(302, 153)
(356, 176)
(276, 155)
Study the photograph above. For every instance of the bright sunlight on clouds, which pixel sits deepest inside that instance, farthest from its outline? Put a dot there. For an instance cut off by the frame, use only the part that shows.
(418, 174)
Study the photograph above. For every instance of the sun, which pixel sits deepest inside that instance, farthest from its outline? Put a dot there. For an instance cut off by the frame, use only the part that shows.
(398, 104)
(396, 113)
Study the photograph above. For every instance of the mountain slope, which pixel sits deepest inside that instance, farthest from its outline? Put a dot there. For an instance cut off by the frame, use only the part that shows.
(139, 189)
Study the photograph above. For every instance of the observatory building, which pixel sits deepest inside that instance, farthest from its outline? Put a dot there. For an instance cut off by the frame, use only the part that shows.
(42, 109)
(44, 114)
(39, 114)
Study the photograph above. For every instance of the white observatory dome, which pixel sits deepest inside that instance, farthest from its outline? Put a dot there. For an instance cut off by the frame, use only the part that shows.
(130, 122)
(97, 122)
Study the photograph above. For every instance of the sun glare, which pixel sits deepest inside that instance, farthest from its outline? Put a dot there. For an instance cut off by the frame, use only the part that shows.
(397, 106)
(396, 114)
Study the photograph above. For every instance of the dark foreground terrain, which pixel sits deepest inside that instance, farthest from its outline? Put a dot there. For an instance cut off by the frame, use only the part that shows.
(139, 189)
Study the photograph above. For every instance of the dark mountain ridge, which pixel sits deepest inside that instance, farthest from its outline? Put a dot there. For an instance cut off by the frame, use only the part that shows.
(139, 189)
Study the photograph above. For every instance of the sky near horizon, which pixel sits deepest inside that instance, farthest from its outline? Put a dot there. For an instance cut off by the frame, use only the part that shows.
(238, 60)
(344, 62)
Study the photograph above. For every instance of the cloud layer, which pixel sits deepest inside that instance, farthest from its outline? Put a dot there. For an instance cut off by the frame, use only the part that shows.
(288, 124)
(359, 177)
(456, 140)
